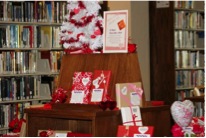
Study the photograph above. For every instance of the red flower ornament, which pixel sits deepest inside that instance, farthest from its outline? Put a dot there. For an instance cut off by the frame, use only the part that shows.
(15, 125)
(59, 96)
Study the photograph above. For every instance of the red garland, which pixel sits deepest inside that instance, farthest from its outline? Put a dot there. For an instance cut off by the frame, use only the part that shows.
(85, 21)
(98, 24)
(81, 5)
(72, 14)
(83, 50)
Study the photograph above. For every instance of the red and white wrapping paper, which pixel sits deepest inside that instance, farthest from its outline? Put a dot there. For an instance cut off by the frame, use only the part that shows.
(135, 131)
(141, 131)
(81, 87)
(100, 84)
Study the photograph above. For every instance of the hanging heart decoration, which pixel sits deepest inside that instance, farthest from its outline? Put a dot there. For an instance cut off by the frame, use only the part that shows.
(182, 112)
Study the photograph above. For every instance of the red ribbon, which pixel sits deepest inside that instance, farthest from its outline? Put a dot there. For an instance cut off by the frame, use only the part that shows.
(133, 120)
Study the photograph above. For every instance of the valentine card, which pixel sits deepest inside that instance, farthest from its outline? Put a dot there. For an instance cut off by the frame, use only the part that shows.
(141, 131)
(129, 94)
(100, 84)
(131, 116)
(81, 87)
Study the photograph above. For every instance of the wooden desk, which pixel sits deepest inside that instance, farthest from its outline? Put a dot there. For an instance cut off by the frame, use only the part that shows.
(97, 122)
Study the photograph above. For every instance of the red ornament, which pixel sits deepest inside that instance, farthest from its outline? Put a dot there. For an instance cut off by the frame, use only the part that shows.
(97, 31)
(76, 10)
(15, 125)
(43, 134)
(131, 48)
(59, 96)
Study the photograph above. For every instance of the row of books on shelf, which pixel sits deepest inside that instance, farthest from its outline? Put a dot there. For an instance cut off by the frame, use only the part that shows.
(29, 36)
(182, 94)
(189, 20)
(199, 106)
(27, 87)
(33, 11)
(185, 78)
(17, 62)
(188, 39)
(18, 88)
(199, 109)
(21, 62)
(184, 4)
(189, 59)
(54, 58)
(9, 111)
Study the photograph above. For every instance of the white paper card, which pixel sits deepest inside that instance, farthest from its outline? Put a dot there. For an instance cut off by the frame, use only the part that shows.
(133, 97)
(61, 135)
(97, 95)
(141, 135)
(77, 96)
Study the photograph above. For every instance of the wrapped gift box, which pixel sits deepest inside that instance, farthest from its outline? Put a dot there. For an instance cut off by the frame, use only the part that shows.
(135, 131)
(123, 131)
(100, 84)
(141, 131)
(131, 116)
(129, 94)
(81, 87)
(54, 133)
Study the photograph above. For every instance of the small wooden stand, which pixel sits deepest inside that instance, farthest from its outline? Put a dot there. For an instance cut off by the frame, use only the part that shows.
(90, 118)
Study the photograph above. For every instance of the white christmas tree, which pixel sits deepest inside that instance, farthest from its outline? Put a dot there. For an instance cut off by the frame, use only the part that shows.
(82, 27)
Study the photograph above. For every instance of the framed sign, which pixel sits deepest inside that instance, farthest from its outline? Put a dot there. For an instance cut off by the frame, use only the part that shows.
(115, 37)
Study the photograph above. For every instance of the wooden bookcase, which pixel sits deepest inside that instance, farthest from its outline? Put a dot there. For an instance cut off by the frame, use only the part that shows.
(90, 118)
(162, 79)
(174, 60)
(26, 31)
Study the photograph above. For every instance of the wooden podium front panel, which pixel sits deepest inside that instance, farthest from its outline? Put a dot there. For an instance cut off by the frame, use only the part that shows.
(124, 68)
(97, 123)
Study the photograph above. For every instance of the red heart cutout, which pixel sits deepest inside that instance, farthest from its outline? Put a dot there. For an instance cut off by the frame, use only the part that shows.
(112, 105)
(103, 105)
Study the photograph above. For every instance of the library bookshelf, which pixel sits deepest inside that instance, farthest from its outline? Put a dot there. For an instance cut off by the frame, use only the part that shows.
(177, 49)
(30, 55)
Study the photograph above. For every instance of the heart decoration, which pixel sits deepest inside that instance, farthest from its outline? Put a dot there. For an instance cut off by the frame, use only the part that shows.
(107, 104)
(182, 112)
(124, 91)
(142, 130)
(85, 81)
